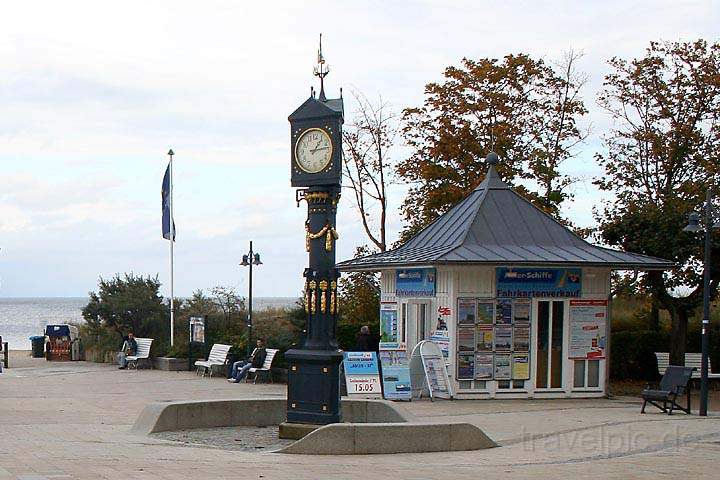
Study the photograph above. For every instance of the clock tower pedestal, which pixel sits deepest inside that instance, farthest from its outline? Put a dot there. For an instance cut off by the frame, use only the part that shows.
(314, 367)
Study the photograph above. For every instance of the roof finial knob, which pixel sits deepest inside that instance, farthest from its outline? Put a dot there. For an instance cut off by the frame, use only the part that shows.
(492, 159)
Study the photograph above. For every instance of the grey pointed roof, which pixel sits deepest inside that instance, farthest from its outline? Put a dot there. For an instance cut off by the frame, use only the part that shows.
(316, 108)
(497, 226)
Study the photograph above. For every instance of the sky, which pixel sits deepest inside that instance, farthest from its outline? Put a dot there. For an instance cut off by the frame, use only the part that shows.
(93, 94)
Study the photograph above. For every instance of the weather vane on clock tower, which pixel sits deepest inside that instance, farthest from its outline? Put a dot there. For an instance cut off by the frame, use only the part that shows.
(321, 70)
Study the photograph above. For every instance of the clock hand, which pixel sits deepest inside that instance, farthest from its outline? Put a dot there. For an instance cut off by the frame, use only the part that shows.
(318, 148)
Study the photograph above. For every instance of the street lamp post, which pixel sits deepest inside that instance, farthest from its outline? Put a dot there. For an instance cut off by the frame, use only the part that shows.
(249, 260)
(694, 226)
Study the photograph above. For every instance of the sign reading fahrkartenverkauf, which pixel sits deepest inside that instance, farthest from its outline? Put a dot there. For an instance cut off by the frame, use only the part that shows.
(538, 282)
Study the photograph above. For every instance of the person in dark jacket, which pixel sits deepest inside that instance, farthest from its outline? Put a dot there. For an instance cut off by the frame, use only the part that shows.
(129, 349)
(241, 368)
(365, 341)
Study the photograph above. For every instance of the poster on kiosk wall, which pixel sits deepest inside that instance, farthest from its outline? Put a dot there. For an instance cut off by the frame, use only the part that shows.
(395, 375)
(393, 357)
(588, 329)
(389, 326)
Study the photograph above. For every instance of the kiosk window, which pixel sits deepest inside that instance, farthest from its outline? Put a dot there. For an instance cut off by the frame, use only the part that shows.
(593, 373)
(579, 374)
(586, 374)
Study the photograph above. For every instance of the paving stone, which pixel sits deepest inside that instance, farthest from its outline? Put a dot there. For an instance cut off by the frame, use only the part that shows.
(74, 420)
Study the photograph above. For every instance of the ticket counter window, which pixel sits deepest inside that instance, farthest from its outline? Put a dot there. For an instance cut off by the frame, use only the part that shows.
(550, 317)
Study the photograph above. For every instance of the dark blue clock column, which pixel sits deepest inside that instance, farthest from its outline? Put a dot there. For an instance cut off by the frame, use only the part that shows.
(313, 367)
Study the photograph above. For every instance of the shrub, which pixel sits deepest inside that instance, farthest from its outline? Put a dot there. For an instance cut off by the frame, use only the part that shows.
(694, 338)
(279, 329)
(632, 354)
(128, 303)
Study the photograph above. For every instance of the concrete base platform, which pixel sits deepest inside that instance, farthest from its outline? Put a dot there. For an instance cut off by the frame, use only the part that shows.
(384, 438)
(165, 416)
(296, 431)
(369, 426)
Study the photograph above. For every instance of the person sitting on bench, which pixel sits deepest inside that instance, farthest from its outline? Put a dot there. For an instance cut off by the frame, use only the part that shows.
(240, 368)
(129, 349)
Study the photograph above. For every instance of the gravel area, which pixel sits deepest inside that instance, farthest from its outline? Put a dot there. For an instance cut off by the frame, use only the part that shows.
(246, 439)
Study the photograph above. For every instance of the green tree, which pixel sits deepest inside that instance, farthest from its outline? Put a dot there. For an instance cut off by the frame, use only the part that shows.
(229, 322)
(229, 302)
(359, 302)
(659, 159)
(129, 302)
(200, 305)
(524, 109)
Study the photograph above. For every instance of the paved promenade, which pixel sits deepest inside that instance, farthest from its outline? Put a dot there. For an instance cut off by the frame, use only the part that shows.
(72, 420)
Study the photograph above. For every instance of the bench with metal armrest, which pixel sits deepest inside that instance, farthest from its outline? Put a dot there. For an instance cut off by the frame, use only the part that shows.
(142, 353)
(675, 382)
(217, 357)
(266, 368)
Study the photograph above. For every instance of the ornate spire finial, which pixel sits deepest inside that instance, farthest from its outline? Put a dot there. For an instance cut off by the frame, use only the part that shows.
(321, 71)
(492, 159)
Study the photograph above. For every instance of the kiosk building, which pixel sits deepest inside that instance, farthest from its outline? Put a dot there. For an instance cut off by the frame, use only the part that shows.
(517, 302)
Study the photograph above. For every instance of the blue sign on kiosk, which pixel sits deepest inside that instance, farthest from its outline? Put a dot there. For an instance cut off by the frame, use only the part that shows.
(538, 282)
(415, 282)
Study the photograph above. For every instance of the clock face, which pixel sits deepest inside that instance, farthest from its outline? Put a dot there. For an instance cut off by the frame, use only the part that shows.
(313, 150)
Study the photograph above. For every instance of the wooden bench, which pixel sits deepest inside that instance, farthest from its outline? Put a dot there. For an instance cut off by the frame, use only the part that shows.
(217, 357)
(695, 360)
(143, 353)
(691, 360)
(266, 368)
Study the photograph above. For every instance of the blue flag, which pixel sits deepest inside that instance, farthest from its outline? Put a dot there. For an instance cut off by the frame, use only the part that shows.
(167, 234)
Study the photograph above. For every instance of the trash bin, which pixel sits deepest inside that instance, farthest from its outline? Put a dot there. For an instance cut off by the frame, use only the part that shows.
(38, 346)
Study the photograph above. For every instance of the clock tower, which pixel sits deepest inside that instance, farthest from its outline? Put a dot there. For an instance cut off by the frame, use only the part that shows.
(316, 167)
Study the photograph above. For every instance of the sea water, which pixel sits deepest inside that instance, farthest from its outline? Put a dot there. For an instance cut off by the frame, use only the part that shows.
(21, 318)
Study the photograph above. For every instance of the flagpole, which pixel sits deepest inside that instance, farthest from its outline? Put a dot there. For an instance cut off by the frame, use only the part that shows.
(172, 241)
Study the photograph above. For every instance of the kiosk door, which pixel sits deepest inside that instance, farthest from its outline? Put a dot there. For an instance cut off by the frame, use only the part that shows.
(418, 328)
(549, 343)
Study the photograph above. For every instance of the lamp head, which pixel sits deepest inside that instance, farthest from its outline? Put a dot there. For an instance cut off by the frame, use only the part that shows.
(245, 262)
(693, 225)
(256, 259)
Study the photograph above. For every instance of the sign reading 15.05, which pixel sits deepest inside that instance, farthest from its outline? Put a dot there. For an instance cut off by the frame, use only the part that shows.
(364, 384)
(362, 376)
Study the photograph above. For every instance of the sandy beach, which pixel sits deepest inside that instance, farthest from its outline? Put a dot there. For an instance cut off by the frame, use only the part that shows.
(23, 359)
